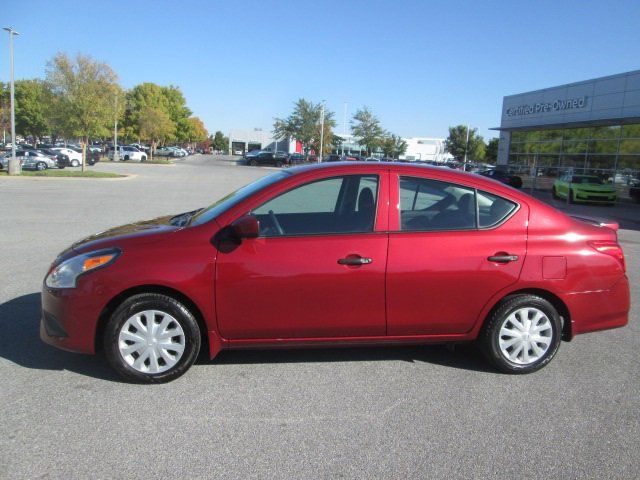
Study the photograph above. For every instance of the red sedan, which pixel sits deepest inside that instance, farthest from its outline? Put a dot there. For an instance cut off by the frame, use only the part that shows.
(341, 254)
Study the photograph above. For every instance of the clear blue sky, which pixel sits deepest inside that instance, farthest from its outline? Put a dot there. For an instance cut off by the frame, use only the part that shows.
(421, 66)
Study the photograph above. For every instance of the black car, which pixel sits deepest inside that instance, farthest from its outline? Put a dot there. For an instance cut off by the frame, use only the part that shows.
(332, 158)
(504, 177)
(634, 193)
(262, 157)
(295, 158)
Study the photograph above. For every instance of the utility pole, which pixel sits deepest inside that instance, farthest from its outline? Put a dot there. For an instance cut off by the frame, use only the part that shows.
(116, 157)
(14, 166)
(344, 127)
(321, 132)
(466, 147)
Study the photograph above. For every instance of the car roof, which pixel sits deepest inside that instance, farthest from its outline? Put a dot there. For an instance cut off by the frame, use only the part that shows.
(406, 168)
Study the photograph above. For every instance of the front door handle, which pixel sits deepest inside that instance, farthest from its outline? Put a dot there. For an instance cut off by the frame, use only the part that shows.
(354, 260)
(503, 258)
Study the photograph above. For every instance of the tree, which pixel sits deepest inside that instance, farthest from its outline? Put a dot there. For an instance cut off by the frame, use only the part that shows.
(366, 127)
(219, 142)
(393, 146)
(5, 109)
(491, 151)
(178, 111)
(304, 125)
(32, 101)
(138, 99)
(197, 131)
(154, 126)
(85, 92)
(456, 144)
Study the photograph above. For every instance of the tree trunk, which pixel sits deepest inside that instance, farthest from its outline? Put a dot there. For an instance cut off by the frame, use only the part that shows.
(84, 152)
(151, 150)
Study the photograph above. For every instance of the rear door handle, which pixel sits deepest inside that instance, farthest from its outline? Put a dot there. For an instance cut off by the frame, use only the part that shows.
(355, 260)
(503, 258)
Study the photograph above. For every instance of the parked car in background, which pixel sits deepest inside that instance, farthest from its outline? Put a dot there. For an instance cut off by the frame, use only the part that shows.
(164, 152)
(502, 269)
(265, 157)
(179, 151)
(34, 160)
(127, 152)
(583, 188)
(331, 158)
(296, 158)
(139, 146)
(503, 176)
(74, 157)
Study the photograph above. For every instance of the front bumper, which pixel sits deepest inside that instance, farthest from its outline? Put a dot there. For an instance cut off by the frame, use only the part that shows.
(604, 197)
(69, 319)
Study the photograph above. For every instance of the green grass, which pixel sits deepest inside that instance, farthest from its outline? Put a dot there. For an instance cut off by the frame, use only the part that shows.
(67, 173)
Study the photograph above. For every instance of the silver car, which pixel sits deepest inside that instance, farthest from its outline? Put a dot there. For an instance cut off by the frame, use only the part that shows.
(32, 160)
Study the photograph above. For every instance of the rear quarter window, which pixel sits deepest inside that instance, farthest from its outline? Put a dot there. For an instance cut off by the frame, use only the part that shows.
(493, 209)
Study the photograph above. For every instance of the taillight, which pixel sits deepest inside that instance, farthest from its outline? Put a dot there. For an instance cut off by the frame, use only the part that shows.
(610, 248)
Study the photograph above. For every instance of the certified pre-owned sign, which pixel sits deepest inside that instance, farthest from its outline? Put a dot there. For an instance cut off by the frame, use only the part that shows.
(556, 106)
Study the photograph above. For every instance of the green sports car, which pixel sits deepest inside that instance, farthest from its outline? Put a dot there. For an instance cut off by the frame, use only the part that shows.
(583, 188)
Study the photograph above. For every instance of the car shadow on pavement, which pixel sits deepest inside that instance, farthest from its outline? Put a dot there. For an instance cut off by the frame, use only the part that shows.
(465, 357)
(20, 324)
(20, 330)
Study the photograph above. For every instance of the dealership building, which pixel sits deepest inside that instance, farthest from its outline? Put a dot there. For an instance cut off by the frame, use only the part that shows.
(591, 126)
(242, 141)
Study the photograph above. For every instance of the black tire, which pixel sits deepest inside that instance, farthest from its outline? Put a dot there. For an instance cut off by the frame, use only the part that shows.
(143, 158)
(253, 163)
(126, 157)
(91, 161)
(151, 301)
(41, 166)
(279, 164)
(571, 197)
(554, 194)
(490, 335)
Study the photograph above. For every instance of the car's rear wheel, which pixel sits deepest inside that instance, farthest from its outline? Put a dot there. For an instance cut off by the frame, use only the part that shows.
(279, 164)
(41, 166)
(522, 334)
(151, 338)
(75, 163)
(253, 163)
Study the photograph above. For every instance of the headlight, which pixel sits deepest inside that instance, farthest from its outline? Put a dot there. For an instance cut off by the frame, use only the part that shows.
(66, 274)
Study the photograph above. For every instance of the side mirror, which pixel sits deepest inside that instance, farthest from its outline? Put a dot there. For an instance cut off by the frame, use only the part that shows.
(246, 227)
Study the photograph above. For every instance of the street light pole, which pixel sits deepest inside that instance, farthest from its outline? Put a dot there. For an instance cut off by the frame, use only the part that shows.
(466, 147)
(321, 132)
(116, 157)
(14, 166)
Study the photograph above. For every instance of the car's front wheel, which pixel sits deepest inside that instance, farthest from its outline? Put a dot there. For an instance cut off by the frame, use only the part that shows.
(41, 166)
(522, 334)
(75, 163)
(151, 338)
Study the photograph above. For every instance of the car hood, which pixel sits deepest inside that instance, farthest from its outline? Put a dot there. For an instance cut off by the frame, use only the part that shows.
(141, 232)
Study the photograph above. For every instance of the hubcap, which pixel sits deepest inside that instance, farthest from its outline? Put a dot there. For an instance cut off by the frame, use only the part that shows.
(151, 341)
(525, 336)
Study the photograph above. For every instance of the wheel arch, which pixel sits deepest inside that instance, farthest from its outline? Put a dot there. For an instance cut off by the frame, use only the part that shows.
(552, 298)
(113, 304)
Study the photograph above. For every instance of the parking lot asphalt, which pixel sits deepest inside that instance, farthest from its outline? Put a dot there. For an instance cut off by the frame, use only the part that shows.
(404, 412)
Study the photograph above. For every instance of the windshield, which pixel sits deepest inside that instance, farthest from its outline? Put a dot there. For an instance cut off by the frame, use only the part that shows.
(236, 197)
